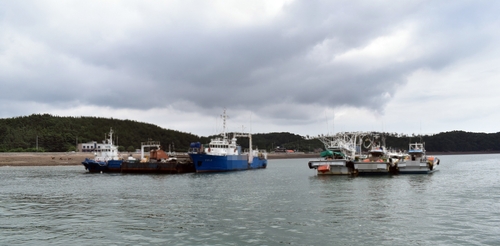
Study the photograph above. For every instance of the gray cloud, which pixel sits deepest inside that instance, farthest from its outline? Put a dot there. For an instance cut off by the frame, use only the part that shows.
(310, 54)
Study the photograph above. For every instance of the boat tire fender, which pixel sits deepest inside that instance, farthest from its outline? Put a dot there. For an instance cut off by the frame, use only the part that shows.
(310, 165)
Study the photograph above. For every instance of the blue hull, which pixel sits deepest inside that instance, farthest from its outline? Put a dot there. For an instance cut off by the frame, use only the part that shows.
(105, 167)
(212, 163)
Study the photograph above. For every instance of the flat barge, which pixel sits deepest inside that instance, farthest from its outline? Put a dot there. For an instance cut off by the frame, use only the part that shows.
(158, 161)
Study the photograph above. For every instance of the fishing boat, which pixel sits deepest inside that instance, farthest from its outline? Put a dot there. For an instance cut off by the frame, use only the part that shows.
(106, 158)
(417, 161)
(378, 160)
(338, 157)
(223, 154)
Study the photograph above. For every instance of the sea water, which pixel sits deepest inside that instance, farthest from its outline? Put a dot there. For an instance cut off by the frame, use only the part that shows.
(285, 204)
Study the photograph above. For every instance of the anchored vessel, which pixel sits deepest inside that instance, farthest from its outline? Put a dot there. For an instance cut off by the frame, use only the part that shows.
(223, 154)
(338, 156)
(378, 160)
(106, 160)
(417, 161)
(158, 161)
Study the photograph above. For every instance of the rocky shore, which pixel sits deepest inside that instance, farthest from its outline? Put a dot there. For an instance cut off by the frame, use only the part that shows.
(68, 158)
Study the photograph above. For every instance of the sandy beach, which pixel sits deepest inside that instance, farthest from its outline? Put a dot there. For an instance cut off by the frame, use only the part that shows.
(43, 159)
(67, 158)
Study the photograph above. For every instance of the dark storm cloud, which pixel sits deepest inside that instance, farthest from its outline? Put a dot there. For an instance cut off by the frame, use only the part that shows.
(296, 58)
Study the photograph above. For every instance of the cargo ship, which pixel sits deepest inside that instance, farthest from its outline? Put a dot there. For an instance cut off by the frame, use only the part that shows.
(223, 154)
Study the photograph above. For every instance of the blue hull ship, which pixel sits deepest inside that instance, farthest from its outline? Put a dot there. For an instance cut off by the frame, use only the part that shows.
(94, 166)
(212, 163)
(223, 154)
(106, 160)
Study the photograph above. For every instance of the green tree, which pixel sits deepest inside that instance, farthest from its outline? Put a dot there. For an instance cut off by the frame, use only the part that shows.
(130, 148)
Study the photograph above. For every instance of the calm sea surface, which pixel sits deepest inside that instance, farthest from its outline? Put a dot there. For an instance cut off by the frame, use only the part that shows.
(285, 204)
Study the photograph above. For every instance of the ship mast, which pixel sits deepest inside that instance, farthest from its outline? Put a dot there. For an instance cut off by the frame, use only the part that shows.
(110, 136)
(224, 117)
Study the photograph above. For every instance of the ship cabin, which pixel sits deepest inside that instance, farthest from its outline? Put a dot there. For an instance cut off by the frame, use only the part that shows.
(416, 151)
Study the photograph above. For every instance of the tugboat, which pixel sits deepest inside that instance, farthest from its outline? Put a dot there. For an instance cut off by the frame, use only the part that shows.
(418, 162)
(223, 154)
(106, 159)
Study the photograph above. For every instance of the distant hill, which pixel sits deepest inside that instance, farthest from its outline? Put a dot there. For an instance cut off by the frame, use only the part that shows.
(453, 141)
(60, 134)
(56, 134)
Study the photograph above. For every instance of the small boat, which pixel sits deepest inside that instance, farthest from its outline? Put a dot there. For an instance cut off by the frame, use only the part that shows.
(338, 157)
(106, 159)
(223, 154)
(417, 161)
(378, 160)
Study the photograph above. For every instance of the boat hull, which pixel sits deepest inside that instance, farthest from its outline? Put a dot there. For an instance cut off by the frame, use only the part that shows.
(100, 166)
(416, 167)
(212, 163)
(330, 167)
(372, 168)
(119, 166)
(172, 167)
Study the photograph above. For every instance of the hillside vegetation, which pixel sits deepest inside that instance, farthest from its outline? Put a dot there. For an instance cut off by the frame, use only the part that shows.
(59, 134)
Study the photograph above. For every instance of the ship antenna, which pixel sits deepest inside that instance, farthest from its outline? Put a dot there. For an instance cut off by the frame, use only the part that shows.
(224, 117)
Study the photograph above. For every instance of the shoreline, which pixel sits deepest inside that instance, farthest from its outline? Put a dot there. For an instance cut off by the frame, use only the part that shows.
(75, 159)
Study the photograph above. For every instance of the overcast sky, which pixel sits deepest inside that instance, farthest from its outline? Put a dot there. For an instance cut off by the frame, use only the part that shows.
(306, 67)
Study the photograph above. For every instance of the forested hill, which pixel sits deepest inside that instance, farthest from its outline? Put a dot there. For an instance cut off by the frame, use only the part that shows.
(460, 141)
(60, 134)
(453, 141)
(56, 134)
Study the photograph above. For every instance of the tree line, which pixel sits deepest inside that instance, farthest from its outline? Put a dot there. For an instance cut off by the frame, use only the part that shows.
(48, 133)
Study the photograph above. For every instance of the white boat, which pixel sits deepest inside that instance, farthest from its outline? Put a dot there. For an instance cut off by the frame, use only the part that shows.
(106, 158)
(338, 156)
(417, 161)
(378, 160)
